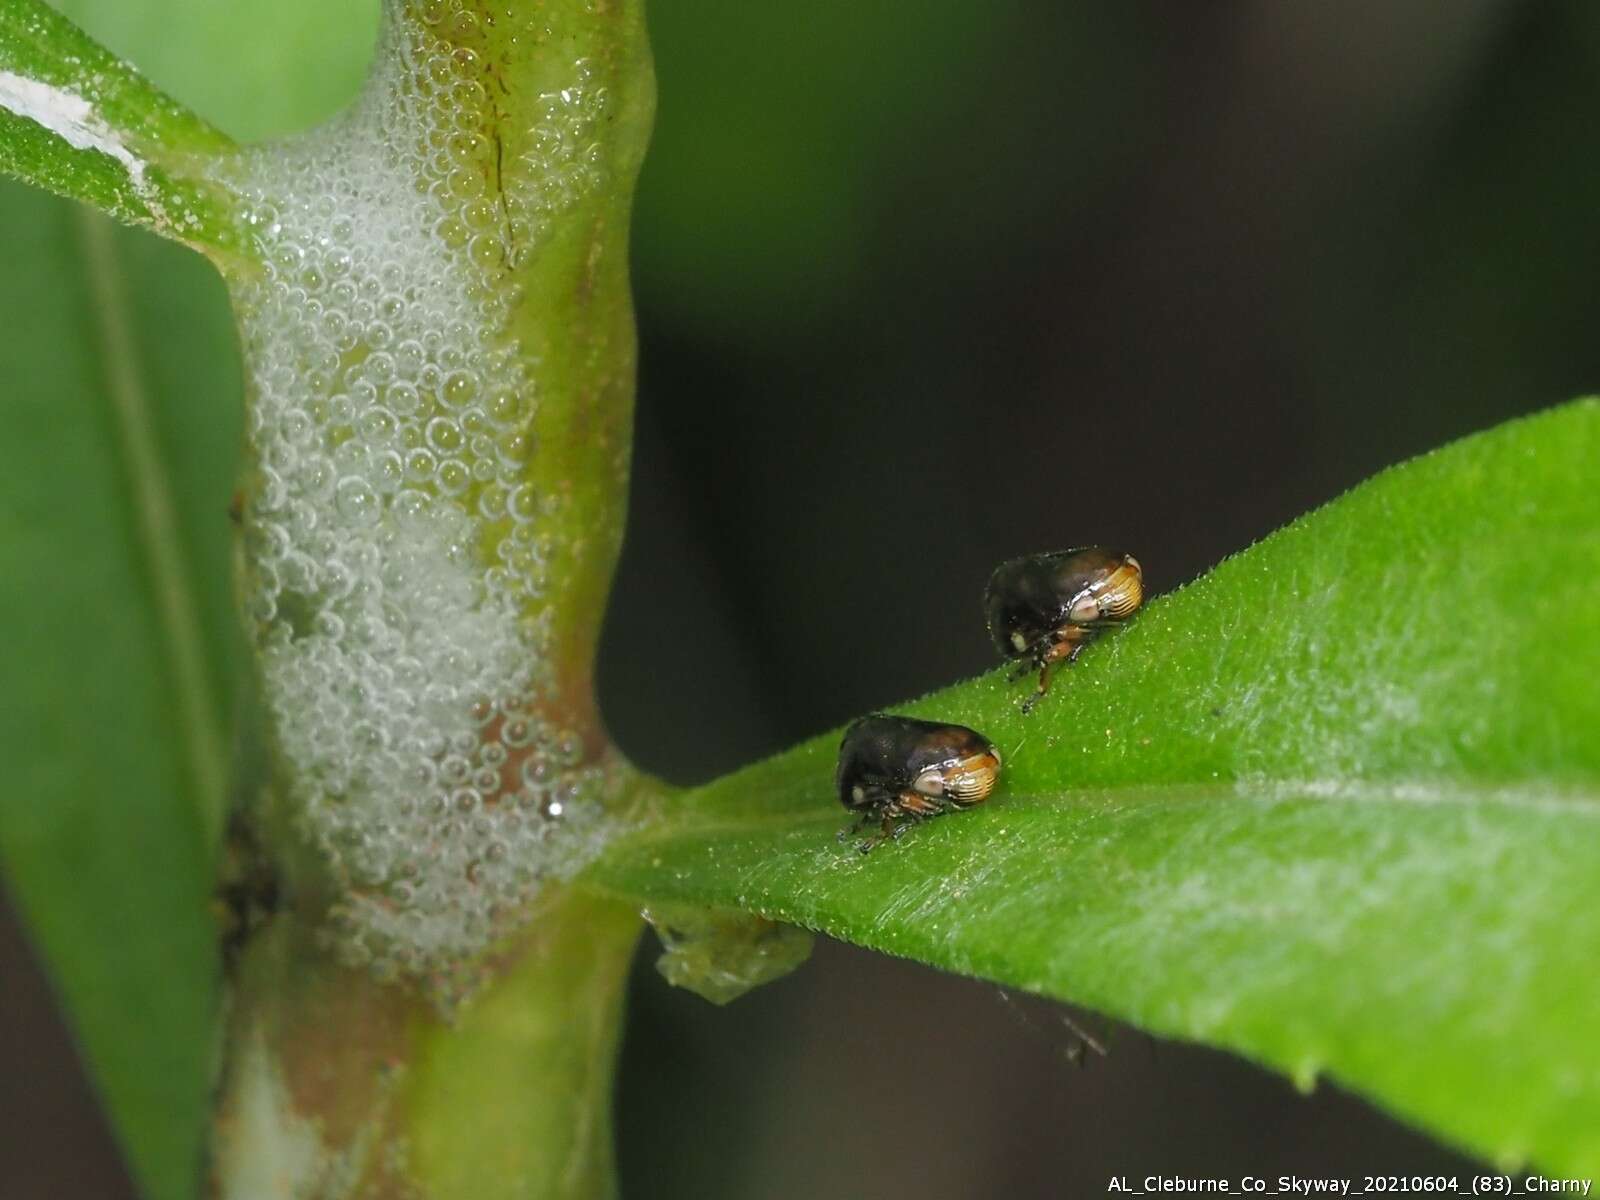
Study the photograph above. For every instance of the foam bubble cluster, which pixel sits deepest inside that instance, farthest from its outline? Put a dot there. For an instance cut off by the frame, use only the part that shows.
(397, 581)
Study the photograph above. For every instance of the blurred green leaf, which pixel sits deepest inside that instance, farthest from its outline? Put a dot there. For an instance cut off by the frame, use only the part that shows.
(121, 426)
(254, 70)
(861, 139)
(1334, 807)
(121, 392)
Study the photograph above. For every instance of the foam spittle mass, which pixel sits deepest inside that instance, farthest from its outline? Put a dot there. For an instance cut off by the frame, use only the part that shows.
(397, 585)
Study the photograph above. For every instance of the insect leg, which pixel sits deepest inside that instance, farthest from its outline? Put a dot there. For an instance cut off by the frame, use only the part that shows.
(888, 831)
(1064, 646)
(1045, 661)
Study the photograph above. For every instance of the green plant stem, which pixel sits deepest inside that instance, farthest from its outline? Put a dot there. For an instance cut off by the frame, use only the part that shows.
(475, 1064)
(340, 1085)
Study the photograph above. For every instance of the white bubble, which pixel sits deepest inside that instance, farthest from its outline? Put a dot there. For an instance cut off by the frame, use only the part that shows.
(390, 427)
(357, 501)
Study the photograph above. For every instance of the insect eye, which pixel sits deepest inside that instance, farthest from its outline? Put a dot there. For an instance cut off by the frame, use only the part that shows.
(1084, 608)
(929, 783)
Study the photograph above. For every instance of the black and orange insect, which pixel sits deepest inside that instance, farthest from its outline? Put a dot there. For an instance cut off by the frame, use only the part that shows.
(896, 771)
(1045, 608)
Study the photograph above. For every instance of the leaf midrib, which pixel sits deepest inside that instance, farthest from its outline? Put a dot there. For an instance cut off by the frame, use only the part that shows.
(168, 575)
(683, 823)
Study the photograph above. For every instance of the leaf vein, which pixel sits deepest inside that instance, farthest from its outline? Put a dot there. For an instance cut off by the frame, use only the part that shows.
(155, 519)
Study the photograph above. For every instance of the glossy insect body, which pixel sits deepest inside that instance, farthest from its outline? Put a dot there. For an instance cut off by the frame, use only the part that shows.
(1046, 607)
(898, 770)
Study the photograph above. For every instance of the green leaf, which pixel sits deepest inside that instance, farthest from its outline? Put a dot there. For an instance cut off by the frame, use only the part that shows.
(79, 121)
(106, 838)
(121, 431)
(1334, 806)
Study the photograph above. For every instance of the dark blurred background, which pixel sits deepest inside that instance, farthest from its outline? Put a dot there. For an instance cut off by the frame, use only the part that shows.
(925, 285)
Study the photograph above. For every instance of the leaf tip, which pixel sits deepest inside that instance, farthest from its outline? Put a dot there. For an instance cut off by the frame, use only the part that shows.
(1304, 1075)
(1510, 1158)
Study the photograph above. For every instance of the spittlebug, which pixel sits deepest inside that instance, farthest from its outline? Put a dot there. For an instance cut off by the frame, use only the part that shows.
(1046, 607)
(899, 770)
